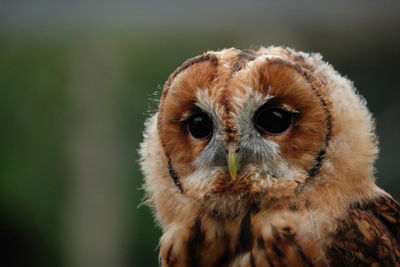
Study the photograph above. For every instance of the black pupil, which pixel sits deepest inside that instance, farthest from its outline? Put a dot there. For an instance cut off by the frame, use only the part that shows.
(272, 120)
(200, 125)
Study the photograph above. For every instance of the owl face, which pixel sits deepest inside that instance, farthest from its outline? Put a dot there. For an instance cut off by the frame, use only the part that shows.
(235, 124)
(263, 158)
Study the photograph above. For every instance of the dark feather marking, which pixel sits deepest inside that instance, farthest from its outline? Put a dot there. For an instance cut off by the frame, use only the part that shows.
(277, 242)
(303, 256)
(224, 260)
(169, 254)
(275, 234)
(320, 156)
(270, 263)
(293, 206)
(195, 242)
(277, 251)
(226, 257)
(288, 235)
(307, 204)
(168, 260)
(252, 263)
(255, 207)
(243, 57)
(260, 242)
(174, 175)
(245, 235)
(338, 255)
(262, 247)
(317, 165)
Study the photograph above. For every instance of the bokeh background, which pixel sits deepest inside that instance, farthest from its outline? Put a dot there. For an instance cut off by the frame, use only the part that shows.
(77, 79)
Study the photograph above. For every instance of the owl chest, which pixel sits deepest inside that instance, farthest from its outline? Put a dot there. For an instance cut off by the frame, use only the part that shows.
(251, 240)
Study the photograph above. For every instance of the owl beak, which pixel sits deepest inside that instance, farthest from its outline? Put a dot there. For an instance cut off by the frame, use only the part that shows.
(233, 163)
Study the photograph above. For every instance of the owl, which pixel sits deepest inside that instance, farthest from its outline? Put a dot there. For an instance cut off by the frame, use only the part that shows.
(266, 158)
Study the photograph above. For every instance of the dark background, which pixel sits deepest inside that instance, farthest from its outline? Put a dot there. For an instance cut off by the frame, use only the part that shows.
(77, 79)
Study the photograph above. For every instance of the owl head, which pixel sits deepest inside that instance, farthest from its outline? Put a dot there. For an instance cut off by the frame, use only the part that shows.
(235, 128)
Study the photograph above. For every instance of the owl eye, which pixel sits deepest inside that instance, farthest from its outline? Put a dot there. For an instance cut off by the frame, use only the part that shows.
(272, 121)
(200, 125)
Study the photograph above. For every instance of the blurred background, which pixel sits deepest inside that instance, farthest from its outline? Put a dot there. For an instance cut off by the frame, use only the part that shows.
(77, 79)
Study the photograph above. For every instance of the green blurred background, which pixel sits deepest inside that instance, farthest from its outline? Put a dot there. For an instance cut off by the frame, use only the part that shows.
(77, 79)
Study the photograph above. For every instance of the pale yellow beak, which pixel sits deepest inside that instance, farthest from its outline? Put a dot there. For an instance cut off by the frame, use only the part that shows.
(233, 163)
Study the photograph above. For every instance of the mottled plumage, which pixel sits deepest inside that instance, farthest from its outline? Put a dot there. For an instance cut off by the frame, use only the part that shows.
(266, 158)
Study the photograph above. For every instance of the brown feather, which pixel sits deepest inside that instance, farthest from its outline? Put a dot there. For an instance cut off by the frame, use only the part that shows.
(369, 236)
